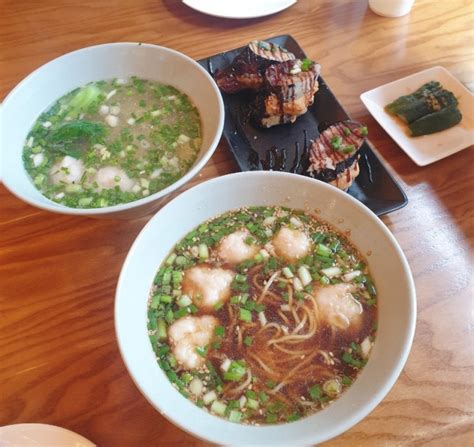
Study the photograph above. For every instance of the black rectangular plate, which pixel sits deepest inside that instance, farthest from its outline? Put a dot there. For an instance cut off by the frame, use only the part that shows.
(374, 186)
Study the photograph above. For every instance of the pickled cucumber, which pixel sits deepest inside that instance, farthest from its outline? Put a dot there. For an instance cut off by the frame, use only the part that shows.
(429, 109)
(434, 102)
(436, 122)
(407, 101)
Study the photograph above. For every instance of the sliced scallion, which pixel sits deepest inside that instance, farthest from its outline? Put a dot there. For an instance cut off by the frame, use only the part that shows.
(218, 407)
(304, 275)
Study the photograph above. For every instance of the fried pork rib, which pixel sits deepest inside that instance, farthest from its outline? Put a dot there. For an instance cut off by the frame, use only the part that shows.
(288, 91)
(246, 72)
(334, 155)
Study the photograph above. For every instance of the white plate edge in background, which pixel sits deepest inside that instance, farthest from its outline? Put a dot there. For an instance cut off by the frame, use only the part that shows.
(38, 435)
(237, 10)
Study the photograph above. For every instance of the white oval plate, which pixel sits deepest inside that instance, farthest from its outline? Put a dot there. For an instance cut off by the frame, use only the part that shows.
(39, 435)
(242, 9)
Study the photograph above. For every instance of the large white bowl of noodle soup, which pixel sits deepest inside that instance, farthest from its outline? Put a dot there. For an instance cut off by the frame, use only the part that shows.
(42, 88)
(387, 264)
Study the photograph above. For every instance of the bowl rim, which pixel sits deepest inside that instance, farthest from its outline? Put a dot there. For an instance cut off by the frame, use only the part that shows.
(50, 205)
(359, 413)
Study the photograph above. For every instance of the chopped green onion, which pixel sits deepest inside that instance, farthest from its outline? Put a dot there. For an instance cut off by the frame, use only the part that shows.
(184, 301)
(293, 417)
(209, 397)
(331, 272)
(201, 350)
(203, 251)
(249, 240)
(287, 272)
(218, 407)
(219, 331)
(245, 315)
(315, 392)
(336, 142)
(166, 277)
(171, 259)
(348, 148)
(161, 329)
(84, 201)
(193, 308)
(240, 278)
(271, 418)
(250, 305)
(235, 416)
(216, 345)
(270, 384)
(324, 280)
(252, 404)
(248, 340)
(346, 380)
(181, 260)
(306, 64)
(347, 358)
(181, 312)
(186, 377)
(155, 301)
(166, 299)
(332, 387)
(304, 275)
(259, 307)
(297, 285)
(172, 360)
(251, 394)
(177, 277)
(169, 317)
(235, 372)
(364, 131)
(299, 296)
(218, 306)
(323, 250)
(164, 349)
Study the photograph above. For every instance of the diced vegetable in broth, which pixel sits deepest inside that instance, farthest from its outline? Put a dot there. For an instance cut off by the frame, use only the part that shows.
(263, 335)
(112, 142)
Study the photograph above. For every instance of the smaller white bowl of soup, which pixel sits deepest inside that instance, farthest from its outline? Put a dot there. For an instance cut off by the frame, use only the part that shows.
(109, 130)
(265, 308)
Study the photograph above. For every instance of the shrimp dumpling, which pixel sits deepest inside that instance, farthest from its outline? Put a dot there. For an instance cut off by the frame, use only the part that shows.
(189, 333)
(291, 244)
(337, 306)
(233, 249)
(109, 177)
(68, 170)
(207, 286)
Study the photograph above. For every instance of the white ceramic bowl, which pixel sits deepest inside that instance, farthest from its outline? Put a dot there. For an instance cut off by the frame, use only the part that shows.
(43, 87)
(387, 263)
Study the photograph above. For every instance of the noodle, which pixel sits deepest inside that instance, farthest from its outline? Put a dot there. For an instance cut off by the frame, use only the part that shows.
(267, 285)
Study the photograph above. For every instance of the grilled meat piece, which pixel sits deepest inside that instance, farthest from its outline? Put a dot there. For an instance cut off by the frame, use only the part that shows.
(247, 69)
(288, 92)
(334, 155)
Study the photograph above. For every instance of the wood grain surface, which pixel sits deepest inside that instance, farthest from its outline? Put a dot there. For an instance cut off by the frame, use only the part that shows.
(59, 361)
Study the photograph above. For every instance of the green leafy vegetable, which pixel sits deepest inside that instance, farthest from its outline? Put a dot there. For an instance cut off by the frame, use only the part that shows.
(81, 101)
(70, 137)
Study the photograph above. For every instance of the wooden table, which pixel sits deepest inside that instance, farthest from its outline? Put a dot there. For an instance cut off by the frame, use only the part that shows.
(59, 362)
